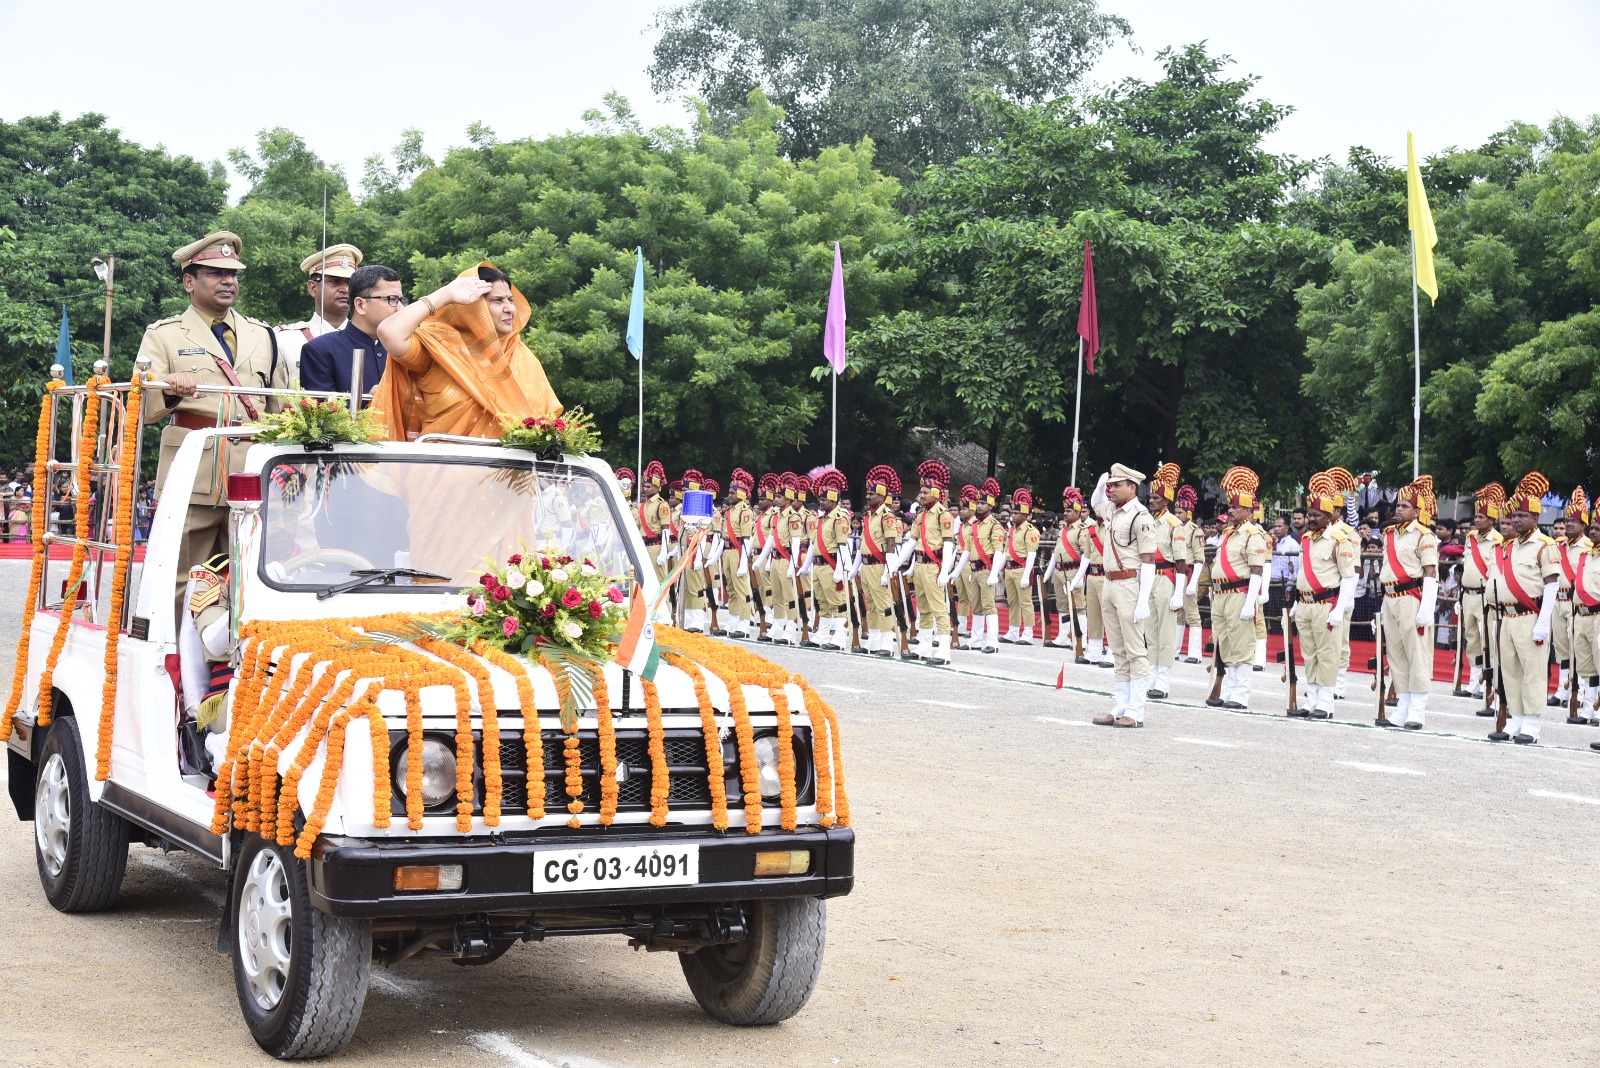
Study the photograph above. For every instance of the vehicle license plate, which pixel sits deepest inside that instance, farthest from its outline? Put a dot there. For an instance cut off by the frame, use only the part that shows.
(615, 868)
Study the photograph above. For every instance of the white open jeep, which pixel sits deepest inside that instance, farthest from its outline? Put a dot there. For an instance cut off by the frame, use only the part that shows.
(350, 532)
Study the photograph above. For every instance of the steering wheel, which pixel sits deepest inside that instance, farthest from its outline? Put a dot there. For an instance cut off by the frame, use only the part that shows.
(319, 557)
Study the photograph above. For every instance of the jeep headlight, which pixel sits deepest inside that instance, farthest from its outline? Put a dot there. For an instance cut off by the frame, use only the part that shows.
(767, 766)
(438, 772)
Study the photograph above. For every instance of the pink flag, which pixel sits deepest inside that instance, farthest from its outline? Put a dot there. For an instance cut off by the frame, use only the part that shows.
(1088, 311)
(833, 331)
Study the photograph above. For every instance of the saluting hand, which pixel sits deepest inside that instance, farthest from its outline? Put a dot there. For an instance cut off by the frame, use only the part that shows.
(466, 290)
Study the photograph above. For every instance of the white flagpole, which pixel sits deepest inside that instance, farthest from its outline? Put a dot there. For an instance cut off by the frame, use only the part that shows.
(638, 472)
(1416, 348)
(1077, 413)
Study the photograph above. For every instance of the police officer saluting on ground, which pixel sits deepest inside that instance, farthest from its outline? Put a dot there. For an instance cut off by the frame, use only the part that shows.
(1130, 562)
(210, 344)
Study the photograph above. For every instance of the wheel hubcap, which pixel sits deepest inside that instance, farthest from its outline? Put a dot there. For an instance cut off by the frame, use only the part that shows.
(52, 815)
(266, 917)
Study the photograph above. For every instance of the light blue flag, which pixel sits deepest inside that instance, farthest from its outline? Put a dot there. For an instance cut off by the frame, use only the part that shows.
(64, 347)
(635, 335)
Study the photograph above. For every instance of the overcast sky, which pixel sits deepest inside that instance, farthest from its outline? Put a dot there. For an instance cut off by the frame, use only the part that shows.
(201, 79)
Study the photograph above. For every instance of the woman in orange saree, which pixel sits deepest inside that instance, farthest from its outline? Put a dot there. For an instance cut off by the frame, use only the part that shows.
(457, 361)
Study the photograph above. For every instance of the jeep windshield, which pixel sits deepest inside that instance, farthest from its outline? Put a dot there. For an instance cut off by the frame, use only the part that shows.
(325, 519)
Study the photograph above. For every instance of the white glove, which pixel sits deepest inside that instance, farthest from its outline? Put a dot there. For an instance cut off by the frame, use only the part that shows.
(1249, 609)
(1541, 627)
(744, 562)
(1098, 498)
(1429, 603)
(1176, 604)
(961, 562)
(1147, 581)
(1341, 607)
(885, 580)
(1083, 571)
(994, 578)
(1049, 569)
(1194, 581)
(1027, 570)
(947, 563)
(663, 555)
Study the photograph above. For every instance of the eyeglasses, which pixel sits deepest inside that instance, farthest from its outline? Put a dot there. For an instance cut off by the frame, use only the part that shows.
(392, 301)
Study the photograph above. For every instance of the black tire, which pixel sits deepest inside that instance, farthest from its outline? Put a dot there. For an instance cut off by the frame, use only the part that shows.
(301, 975)
(80, 847)
(769, 975)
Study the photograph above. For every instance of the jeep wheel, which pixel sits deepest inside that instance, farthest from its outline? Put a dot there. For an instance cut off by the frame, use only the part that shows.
(301, 974)
(82, 849)
(767, 977)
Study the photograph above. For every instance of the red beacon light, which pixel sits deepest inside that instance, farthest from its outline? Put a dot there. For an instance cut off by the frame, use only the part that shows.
(244, 488)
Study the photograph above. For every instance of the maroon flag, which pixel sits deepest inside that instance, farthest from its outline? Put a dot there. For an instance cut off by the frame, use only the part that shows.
(1088, 312)
(1061, 676)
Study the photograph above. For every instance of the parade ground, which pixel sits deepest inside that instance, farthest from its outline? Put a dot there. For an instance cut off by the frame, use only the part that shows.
(1217, 888)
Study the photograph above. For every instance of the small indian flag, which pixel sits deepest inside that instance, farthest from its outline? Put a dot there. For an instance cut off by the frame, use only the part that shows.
(637, 651)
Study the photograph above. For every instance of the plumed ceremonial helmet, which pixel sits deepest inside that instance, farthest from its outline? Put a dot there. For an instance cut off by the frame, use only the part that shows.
(1022, 500)
(1165, 481)
(786, 482)
(710, 486)
(1490, 501)
(1187, 498)
(655, 474)
(1529, 494)
(675, 487)
(1578, 507)
(1419, 494)
(625, 474)
(933, 475)
(770, 485)
(1240, 484)
(1072, 497)
(969, 494)
(692, 479)
(991, 491)
(802, 487)
(741, 482)
(1323, 493)
(883, 481)
(831, 485)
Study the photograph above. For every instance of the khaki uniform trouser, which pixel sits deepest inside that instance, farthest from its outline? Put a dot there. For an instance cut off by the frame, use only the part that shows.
(1089, 600)
(1019, 600)
(1191, 611)
(1161, 626)
(966, 588)
(933, 604)
(205, 534)
(783, 603)
(1410, 654)
(829, 599)
(1318, 644)
(1524, 666)
(694, 586)
(880, 599)
(1561, 631)
(737, 586)
(1062, 581)
(1585, 659)
(1260, 624)
(1472, 624)
(1235, 638)
(983, 602)
(1119, 599)
(661, 570)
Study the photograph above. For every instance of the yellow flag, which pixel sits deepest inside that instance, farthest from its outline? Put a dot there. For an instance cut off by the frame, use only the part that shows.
(1423, 235)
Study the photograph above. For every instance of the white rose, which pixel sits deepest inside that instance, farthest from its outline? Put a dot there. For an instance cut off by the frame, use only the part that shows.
(558, 575)
(590, 569)
(574, 630)
(515, 579)
(535, 587)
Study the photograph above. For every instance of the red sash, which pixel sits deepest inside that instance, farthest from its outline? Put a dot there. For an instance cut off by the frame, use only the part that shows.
(1584, 596)
(866, 536)
(761, 537)
(1503, 554)
(985, 558)
(1222, 559)
(1566, 564)
(1394, 562)
(727, 522)
(645, 526)
(1073, 555)
(1307, 570)
(1011, 548)
(1099, 547)
(922, 537)
(1477, 557)
(779, 543)
(822, 543)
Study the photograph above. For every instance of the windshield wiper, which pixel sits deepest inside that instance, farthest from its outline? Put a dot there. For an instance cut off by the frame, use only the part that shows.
(367, 576)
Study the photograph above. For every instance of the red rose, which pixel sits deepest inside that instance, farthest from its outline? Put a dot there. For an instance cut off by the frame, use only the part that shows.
(566, 559)
(487, 581)
(541, 422)
(528, 422)
(544, 562)
(510, 626)
(516, 558)
(500, 593)
(548, 611)
(561, 424)
(595, 609)
(615, 593)
(572, 598)
(305, 402)
(540, 642)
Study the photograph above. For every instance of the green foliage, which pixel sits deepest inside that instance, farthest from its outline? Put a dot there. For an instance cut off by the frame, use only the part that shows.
(316, 422)
(1199, 352)
(906, 73)
(1508, 360)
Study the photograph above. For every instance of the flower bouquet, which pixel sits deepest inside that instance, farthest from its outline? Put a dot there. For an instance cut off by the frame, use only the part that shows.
(317, 424)
(550, 437)
(539, 602)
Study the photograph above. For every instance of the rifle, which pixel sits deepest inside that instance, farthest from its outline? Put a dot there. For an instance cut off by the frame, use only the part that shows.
(1077, 627)
(1044, 613)
(1290, 672)
(1502, 713)
(902, 612)
(1461, 619)
(858, 609)
(1377, 678)
(757, 599)
(711, 596)
(1217, 668)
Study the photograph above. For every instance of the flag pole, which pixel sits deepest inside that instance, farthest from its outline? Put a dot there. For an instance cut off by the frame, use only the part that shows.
(639, 471)
(1416, 385)
(833, 450)
(1077, 413)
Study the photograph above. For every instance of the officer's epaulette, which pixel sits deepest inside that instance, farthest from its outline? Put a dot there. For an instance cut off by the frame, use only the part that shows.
(294, 326)
(1338, 534)
(1171, 519)
(257, 322)
(1542, 536)
(168, 321)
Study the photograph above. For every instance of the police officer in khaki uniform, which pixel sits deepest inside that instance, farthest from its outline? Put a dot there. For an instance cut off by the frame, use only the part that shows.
(1477, 569)
(830, 562)
(878, 541)
(210, 344)
(1089, 583)
(1343, 482)
(1325, 592)
(988, 562)
(1410, 578)
(761, 561)
(1586, 606)
(930, 542)
(738, 537)
(655, 517)
(964, 586)
(1189, 623)
(1526, 605)
(787, 529)
(1172, 578)
(329, 286)
(1569, 548)
(1238, 576)
(1130, 561)
(1063, 567)
(1021, 553)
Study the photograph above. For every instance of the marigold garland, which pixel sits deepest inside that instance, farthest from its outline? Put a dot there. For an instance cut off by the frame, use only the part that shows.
(713, 739)
(288, 796)
(660, 777)
(608, 750)
(337, 729)
(788, 818)
(493, 787)
(532, 736)
(88, 441)
(41, 489)
(123, 538)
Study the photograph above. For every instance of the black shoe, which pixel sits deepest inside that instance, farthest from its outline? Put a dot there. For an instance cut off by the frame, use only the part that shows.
(1022, 641)
(1317, 713)
(1553, 701)
(1007, 641)
(810, 645)
(1231, 704)
(719, 633)
(990, 648)
(1413, 726)
(1104, 664)
(1499, 736)
(1460, 693)
(1594, 745)
(693, 630)
(1578, 721)
(1393, 702)
(1384, 723)
(1524, 739)
(1257, 667)
(1191, 660)
(1082, 660)
(886, 654)
(1485, 711)
(1214, 702)
(763, 637)
(910, 656)
(1299, 713)
(1159, 695)
(864, 651)
(1338, 697)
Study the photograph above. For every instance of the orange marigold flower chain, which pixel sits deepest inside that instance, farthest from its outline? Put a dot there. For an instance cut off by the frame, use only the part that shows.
(127, 457)
(41, 491)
